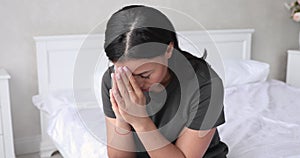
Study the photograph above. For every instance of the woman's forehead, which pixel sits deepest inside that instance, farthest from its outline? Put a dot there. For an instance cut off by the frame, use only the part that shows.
(137, 65)
(134, 65)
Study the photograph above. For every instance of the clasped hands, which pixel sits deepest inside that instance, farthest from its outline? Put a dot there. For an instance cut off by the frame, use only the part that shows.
(127, 99)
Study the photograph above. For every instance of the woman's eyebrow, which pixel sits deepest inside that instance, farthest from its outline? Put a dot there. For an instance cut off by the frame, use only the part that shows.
(141, 73)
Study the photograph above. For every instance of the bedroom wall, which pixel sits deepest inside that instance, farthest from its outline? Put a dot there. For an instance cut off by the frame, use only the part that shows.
(21, 20)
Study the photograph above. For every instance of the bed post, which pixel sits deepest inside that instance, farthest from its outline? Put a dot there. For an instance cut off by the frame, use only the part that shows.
(46, 145)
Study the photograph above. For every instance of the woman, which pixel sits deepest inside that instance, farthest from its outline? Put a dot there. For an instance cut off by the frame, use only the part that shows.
(159, 101)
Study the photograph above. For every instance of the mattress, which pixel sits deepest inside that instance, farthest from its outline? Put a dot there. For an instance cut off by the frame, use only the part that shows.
(261, 121)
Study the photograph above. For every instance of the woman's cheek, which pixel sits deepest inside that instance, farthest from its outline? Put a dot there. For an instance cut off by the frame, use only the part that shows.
(155, 79)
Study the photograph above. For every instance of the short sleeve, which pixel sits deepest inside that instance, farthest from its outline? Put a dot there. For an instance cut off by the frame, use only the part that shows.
(105, 86)
(206, 107)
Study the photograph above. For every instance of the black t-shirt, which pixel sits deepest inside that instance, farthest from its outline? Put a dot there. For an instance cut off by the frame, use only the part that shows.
(193, 99)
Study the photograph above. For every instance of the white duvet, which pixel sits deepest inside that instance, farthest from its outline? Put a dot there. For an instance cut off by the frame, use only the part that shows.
(262, 120)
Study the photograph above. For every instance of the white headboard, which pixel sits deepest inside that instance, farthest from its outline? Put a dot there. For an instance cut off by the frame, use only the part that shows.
(56, 56)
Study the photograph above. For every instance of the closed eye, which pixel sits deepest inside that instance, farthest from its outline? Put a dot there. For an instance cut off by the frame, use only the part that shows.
(144, 75)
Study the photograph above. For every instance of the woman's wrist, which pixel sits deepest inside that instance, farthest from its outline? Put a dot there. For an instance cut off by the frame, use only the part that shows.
(123, 125)
(143, 125)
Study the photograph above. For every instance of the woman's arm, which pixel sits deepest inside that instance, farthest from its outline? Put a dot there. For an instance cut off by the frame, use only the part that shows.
(120, 142)
(131, 107)
(190, 144)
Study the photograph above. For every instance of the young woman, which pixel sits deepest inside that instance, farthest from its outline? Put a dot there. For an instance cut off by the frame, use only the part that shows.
(159, 100)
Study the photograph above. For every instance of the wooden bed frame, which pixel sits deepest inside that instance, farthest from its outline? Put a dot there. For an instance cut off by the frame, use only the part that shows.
(56, 56)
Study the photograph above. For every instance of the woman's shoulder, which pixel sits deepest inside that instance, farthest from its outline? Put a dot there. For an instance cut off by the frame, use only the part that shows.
(106, 79)
(196, 62)
(203, 69)
(200, 66)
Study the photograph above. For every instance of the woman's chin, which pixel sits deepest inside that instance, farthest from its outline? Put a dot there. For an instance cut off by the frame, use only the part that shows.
(145, 90)
(156, 88)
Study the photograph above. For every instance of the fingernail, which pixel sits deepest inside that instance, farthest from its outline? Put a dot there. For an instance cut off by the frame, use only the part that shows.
(125, 68)
(118, 76)
(120, 69)
(115, 92)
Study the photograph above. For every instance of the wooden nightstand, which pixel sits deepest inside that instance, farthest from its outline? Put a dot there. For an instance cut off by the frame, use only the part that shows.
(293, 67)
(6, 132)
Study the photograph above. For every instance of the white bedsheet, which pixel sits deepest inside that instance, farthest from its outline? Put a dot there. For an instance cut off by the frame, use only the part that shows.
(79, 133)
(262, 120)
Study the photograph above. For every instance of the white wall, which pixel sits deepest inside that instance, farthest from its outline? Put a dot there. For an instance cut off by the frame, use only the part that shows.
(21, 20)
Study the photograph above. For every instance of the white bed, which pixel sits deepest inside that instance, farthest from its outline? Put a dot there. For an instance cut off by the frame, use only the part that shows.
(263, 124)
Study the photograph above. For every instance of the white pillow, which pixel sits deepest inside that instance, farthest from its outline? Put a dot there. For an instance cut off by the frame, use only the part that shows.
(238, 72)
(57, 100)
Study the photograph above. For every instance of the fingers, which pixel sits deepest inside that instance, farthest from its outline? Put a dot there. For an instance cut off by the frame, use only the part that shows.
(115, 106)
(127, 87)
(131, 93)
(127, 93)
(124, 85)
(116, 92)
(114, 83)
(113, 102)
(118, 99)
(126, 80)
(112, 99)
(121, 84)
(133, 82)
